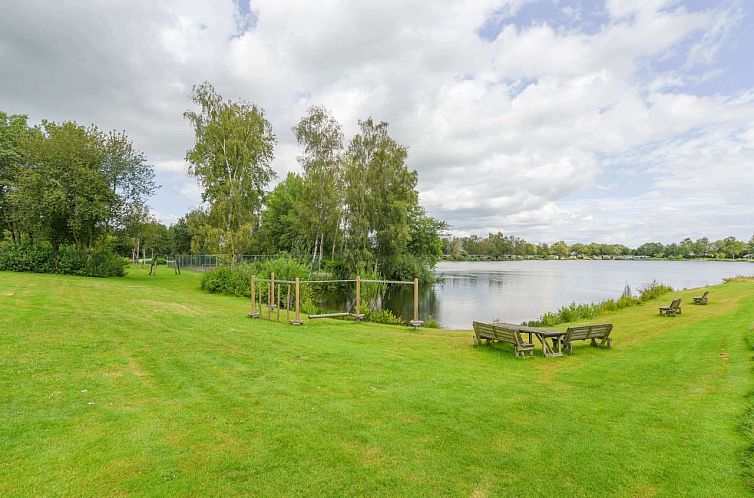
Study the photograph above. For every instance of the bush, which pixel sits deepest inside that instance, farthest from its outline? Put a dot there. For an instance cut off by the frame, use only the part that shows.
(72, 261)
(106, 264)
(40, 258)
(653, 290)
(407, 267)
(382, 316)
(236, 281)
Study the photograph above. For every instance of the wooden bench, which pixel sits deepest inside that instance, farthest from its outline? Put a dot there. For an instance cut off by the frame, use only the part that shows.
(593, 332)
(672, 310)
(701, 299)
(503, 333)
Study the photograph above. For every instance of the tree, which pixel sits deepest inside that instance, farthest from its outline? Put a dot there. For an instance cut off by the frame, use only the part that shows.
(380, 194)
(322, 138)
(130, 177)
(425, 242)
(62, 193)
(13, 129)
(231, 160)
(180, 237)
(732, 248)
(281, 224)
(560, 249)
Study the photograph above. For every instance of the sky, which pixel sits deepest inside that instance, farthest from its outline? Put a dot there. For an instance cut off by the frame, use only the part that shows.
(614, 121)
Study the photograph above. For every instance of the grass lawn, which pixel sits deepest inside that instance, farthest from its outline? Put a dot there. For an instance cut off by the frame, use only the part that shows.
(148, 386)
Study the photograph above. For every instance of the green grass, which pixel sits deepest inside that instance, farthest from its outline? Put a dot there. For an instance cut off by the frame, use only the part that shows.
(148, 386)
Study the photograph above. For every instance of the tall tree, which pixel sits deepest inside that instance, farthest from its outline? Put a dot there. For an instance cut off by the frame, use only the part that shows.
(130, 177)
(231, 160)
(13, 129)
(322, 138)
(62, 192)
(380, 197)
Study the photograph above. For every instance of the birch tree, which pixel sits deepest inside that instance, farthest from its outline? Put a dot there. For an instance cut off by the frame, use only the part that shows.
(231, 160)
(322, 138)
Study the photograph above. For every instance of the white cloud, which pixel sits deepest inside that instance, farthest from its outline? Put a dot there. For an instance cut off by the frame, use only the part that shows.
(506, 134)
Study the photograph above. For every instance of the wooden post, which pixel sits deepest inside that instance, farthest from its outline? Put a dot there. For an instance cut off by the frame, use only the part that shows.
(358, 315)
(271, 294)
(297, 320)
(416, 322)
(260, 301)
(288, 305)
(278, 304)
(253, 313)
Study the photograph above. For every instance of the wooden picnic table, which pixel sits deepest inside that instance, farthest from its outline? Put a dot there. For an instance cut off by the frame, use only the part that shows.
(552, 350)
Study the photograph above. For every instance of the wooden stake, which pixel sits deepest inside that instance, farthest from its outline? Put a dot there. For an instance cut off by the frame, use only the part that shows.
(297, 320)
(253, 294)
(416, 322)
(288, 305)
(359, 316)
(271, 294)
(278, 306)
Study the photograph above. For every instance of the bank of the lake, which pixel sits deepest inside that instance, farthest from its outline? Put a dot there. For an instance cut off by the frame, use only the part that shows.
(150, 386)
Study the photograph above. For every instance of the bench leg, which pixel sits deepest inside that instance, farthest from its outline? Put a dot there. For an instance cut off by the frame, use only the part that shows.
(476, 340)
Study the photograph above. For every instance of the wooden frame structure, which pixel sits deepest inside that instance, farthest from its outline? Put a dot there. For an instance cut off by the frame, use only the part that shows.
(273, 303)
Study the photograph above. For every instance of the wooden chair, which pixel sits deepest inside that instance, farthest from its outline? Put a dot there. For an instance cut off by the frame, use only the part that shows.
(672, 310)
(701, 299)
(497, 333)
(586, 332)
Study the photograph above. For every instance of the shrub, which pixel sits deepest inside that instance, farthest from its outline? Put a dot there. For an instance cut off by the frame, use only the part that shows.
(653, 290)
(407, 267)
(40, 258)
(236, 281)
(71, 261)
(106, 264)
(382, 316)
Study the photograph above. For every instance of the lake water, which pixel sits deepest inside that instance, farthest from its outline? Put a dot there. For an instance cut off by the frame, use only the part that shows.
(515, 291)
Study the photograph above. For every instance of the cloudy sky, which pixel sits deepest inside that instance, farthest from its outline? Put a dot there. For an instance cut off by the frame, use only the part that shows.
(614, 121)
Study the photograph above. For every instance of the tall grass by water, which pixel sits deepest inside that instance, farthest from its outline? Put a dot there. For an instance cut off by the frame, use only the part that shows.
(585, 311)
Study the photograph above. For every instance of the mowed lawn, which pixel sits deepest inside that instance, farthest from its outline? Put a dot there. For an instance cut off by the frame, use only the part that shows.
(149, 386)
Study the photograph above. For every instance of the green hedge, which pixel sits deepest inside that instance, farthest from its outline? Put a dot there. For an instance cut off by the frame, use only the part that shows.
(40, 258)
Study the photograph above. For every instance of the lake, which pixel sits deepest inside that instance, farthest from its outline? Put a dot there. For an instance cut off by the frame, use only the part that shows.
(515, 291)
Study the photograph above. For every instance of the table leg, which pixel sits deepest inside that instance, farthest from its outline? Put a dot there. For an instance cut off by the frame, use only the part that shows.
(545, 346)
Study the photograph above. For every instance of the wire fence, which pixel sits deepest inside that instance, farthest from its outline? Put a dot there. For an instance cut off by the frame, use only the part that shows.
(205, 262)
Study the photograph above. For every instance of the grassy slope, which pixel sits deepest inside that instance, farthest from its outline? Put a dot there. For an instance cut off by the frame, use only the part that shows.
(149, 386)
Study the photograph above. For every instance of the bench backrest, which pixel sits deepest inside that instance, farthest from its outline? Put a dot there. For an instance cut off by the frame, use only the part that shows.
(675, 304)
(483, 330)
(704, 296)
(506, 334)
(599, 331)
(496, 332)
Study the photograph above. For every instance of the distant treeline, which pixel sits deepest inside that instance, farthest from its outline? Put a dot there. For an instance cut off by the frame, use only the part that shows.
(499, 246)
